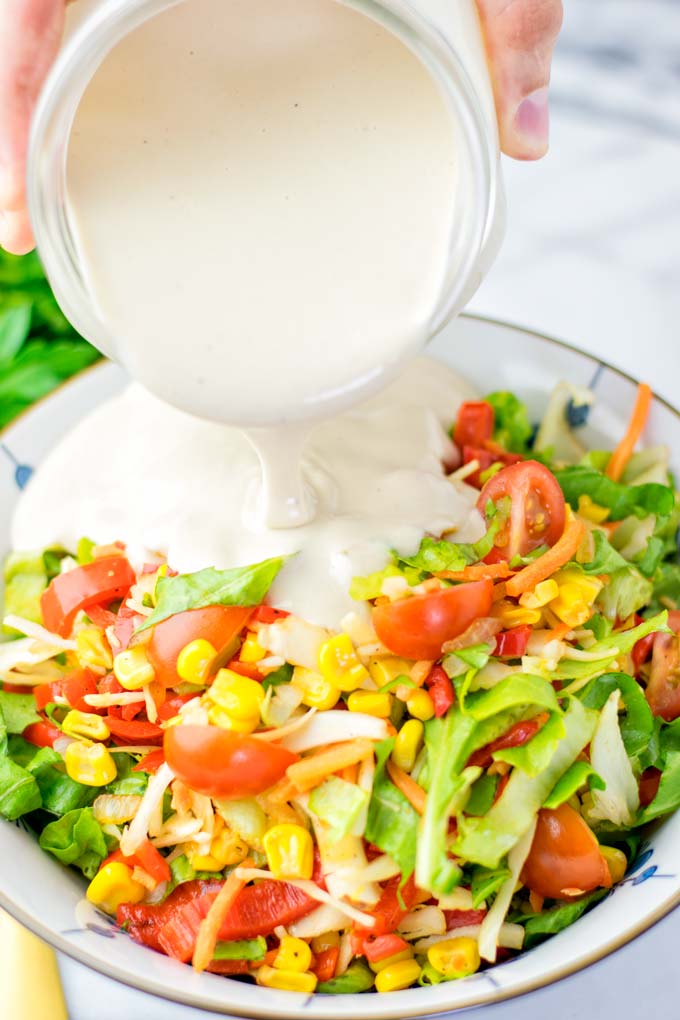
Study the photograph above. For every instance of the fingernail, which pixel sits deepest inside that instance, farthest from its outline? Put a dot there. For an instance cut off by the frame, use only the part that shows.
(532, 119)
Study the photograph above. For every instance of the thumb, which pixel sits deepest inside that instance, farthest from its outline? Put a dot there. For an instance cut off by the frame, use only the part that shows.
(520, 37)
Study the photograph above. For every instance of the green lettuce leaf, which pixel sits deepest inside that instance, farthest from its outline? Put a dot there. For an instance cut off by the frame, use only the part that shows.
(512, 428)
(668, 795)
(370, 587)
(606, 559)
(241, 586)
(449, 742)
(572, 780)
(392, 823)
(511, 692)
(17, 711)
(19, 791)
(487, 840)
(339, 804)
(59, 793)
(549, 922)
(637, 724)
(482, 794)
(608, 649)
(485, 882)
(621, 500)
(76, 839)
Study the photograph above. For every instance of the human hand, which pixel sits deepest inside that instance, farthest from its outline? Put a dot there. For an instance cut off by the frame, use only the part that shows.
(520, 38)
(30, 33)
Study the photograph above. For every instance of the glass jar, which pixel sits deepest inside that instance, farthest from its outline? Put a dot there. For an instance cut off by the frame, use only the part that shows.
(444, 34)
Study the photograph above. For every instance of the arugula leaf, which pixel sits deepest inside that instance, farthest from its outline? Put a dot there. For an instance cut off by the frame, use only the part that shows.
(339, 804)
(240, 586)
(17, 711)
(76, 839)
(549, 922)
(572, 780)
(15, 325)
(512, 428)
(605, 559)
(392, 823)
(621, 500)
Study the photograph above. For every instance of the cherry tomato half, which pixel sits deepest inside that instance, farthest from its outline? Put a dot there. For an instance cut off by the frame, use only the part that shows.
(219, 763)
(474, 424)
(537, 509)
(103, 580)
(564, 856)
(216, 624)
(416, 628)
(663, 686)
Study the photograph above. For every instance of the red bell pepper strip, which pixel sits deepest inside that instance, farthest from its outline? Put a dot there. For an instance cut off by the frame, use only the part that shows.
(441, 690)
(101, 581)
(381, 947)
(42, 734)
(134, 731)
(512, 644)
(73, 688)
(516, 736)
(267, 614)
(248, 669)
(390, 909)
(151, 762)
(474, 423)
(463, 918)
(146, 857)
(325, 963)
(229, 967)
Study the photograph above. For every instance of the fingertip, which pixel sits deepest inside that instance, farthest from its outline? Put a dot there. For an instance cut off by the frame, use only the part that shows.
(16, 235)
(12, 188)
(525, 134)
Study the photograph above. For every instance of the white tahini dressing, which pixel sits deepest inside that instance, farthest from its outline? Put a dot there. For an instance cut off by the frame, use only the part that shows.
(171, 483)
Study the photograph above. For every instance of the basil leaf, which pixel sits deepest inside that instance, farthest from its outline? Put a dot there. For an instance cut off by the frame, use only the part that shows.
(621, 500)
(512, 428)
(240, 586)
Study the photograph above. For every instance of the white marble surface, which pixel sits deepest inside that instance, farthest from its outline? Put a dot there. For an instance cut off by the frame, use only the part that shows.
(592, 256)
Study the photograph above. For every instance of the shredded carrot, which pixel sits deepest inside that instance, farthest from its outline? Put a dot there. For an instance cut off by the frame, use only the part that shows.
(559, 631)
(311, 771)
(414, 794)
(350, 773)
(209, 931)
(477, 572)
(282, 791)
(622, 453)
(498, 591)
(550, 561)
(536, 902)
(611, 526)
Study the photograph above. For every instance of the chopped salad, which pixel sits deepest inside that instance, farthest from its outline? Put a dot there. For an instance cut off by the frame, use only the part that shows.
(457, 774)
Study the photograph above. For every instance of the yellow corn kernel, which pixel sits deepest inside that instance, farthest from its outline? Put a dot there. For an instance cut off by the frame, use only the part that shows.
(617, 862)
(384, 671)
(290, 851)
(541, 595)
(85, 724)
(340, 664)
(89, 764)
(577, 593)
(511, 615)
(218, 717)
(112, 885)
(317, 691)
(251, 649)
(400, 975)
(204, 862)
(195, 660)
(389, 961)
(592, 511)
(420, 705)
(228, 848)
(294, 954)
(132, 668)
(455, 958)
(407, 744)
(92, 649)
(285, 980)
(370, 702)
(239, 696)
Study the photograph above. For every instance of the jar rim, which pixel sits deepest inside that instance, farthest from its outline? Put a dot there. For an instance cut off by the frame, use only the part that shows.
(100, 32)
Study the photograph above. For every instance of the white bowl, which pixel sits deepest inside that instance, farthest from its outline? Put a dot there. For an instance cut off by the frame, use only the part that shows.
(48, 898)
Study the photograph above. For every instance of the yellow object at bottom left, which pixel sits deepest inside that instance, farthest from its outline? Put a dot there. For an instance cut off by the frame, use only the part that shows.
(29, 976)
